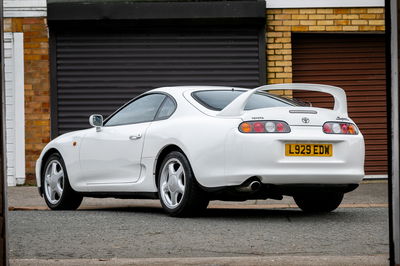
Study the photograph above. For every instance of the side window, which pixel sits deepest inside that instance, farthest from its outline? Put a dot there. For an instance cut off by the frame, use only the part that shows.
(143, 109)
(167, 109)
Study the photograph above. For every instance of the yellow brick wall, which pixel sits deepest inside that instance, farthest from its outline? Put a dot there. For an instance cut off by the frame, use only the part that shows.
(281, 23)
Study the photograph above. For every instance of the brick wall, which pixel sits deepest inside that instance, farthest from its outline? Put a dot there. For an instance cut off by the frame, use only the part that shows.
(37, 86)
(281, 23)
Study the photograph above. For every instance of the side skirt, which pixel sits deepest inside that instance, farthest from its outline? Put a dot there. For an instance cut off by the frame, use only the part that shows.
(121, 195)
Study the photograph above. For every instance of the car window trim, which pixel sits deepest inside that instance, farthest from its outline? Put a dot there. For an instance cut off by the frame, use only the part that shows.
(129, 102)
(162, 104)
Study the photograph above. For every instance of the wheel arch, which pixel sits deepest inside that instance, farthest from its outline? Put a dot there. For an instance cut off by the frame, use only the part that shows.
(160, 158)
(46, 155)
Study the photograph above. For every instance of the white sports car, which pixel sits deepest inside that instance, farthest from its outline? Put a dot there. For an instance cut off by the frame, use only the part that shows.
(191, 144)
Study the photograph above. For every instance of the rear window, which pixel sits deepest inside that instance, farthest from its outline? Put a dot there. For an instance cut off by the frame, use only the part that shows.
(219, 99)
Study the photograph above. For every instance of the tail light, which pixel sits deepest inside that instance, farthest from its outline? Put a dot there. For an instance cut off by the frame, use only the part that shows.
(339, 128)
(264, 127)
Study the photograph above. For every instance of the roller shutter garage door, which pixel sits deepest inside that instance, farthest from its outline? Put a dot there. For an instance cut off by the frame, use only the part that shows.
(96, 72)
(356, 63)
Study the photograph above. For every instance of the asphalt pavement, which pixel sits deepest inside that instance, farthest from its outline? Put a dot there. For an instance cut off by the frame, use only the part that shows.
(137, 232)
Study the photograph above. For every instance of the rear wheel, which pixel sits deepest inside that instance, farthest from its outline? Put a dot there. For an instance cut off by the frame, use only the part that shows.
(57, 190)
(178, 190)
(315, 203)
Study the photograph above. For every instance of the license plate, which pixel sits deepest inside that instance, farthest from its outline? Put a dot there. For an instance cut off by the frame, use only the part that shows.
(298, 149)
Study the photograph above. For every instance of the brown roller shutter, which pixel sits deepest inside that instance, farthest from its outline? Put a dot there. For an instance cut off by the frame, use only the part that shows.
(356, 63)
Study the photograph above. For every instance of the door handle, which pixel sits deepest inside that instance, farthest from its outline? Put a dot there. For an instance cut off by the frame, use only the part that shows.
(135, 137)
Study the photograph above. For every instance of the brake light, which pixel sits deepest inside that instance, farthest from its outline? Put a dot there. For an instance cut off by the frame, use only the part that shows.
(345, 128)
(280, 127)
(259, 127)
(264, 127)
(339, 128)
(327, 128)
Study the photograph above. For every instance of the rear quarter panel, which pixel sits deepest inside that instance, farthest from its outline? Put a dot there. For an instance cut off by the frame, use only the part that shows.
(201, 137)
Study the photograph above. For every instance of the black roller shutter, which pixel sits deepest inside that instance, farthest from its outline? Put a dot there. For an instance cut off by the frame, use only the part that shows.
(96, 72)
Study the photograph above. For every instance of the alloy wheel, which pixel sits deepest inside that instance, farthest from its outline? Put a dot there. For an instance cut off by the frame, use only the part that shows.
(172, 183)
(54, 182)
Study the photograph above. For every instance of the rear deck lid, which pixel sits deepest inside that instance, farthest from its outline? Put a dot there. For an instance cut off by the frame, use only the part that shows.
(294, 115)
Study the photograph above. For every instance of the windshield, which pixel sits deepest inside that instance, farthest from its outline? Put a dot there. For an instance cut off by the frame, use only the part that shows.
(219, 99)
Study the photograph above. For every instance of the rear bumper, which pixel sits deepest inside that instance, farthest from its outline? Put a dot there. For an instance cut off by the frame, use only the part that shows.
(278, 191)
(304, 178)
(263, 156)
(299, 189)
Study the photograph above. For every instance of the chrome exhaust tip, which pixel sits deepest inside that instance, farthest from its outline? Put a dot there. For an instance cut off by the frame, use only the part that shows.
(255, 185)
(250, 187)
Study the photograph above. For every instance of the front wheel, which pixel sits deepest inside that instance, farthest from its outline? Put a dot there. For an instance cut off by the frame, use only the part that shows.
(178, 190)
(317, 203)
(57, 190)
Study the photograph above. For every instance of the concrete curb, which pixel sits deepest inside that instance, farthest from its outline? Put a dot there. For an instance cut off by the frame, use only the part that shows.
(376, 260)
(219, 206)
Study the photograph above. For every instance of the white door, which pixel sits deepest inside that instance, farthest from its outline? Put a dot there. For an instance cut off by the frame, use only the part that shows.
(15, 117)
(113, 155)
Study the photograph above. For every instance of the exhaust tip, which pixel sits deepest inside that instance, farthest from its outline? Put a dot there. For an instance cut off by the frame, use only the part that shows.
(255, 185)
(250, 186)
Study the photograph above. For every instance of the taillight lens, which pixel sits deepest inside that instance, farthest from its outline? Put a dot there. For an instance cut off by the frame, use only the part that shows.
(245, 127)
(264, 127)
(339, 128)
(259, 127)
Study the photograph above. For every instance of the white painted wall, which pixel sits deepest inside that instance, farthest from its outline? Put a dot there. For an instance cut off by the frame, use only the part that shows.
(10, 112)
(19, 90)
(25, 8)
(323, 3)
(15, 110)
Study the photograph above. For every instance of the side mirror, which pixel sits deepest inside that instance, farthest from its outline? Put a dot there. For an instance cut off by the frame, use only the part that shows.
(96, 121)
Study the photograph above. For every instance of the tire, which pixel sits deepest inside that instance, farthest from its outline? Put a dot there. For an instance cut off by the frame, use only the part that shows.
(179, 193)
(318, 203)
(57, 191)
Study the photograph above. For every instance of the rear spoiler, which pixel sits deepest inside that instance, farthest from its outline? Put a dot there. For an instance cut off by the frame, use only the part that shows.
(236, 107)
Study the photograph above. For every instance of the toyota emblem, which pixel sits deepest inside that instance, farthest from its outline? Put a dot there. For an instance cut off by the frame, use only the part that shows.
(305, 120)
